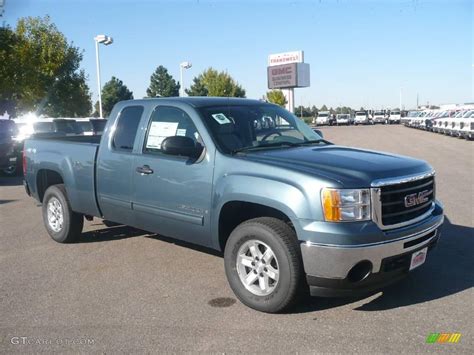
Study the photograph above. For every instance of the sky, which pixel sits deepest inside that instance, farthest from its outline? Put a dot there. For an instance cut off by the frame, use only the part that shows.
(361, 53)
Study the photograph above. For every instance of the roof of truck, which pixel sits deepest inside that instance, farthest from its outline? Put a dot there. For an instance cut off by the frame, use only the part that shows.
(203, 101)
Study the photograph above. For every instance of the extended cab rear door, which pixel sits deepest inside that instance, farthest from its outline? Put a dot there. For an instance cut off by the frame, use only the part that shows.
(115, 165)
(173, 197)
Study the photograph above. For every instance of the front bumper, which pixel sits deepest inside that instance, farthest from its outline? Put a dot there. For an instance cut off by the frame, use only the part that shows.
(330, 267)
(393, 269)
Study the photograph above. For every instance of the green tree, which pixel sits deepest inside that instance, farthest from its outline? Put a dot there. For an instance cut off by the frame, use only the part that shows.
(214, 83)
(324, 108)
(113, 91)
(302, 111)
(276, 97)
(69, 97)
(162, 84)
(197, 88)
(35, 61)
(8, 70)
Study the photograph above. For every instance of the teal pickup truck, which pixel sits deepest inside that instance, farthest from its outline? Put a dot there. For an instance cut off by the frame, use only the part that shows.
(290, 211)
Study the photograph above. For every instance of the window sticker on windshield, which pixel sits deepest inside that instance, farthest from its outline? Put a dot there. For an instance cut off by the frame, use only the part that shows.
(158, 132)
(181, 132)
(221, 118)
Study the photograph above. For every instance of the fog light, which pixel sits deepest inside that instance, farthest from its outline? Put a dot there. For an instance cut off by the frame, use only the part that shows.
(360, 271)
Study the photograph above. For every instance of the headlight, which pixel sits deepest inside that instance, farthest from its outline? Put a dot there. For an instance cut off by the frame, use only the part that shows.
(341, 205)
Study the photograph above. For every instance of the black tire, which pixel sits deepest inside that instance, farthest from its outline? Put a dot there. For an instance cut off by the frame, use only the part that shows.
(72, 223)
(284, 244)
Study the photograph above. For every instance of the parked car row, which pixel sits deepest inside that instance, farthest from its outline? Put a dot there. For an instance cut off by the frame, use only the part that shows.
(360, 117)
(456, 123)
(14, 132)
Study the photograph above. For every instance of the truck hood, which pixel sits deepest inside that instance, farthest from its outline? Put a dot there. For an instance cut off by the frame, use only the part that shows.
(346, 166)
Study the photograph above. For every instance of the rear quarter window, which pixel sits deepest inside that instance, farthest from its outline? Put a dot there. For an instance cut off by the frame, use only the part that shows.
(126, 128)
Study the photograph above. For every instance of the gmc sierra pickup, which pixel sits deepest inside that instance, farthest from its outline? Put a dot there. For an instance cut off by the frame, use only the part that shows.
(288, 208)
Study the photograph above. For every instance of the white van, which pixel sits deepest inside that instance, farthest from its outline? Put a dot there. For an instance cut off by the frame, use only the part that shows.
(361, 117)
(394, 117)
(379, 117)
(323, 118)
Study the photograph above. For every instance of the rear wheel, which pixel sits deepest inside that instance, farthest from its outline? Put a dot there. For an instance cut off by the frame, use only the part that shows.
(263, 264)
(62, 224)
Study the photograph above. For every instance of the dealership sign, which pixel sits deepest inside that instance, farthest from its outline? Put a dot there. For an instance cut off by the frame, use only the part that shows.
(285, 58)
(291, 75)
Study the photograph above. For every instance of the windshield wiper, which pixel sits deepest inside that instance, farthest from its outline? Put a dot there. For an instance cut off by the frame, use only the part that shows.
(279, 144)
(315, 141)
(260, 146)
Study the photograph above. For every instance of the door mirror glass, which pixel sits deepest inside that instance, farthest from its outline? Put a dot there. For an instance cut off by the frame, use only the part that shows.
(180, 145)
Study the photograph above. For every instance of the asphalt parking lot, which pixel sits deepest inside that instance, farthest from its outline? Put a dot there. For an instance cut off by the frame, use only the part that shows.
(120, 289)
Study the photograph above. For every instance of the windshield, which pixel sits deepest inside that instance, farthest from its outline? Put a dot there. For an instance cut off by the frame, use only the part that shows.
(361, 114)
(395, 113)
(413, 114)
(98, 125)
(378, 113)
(68, 127)
(8, 128)
(255, 127)
(323, 114)
(86, 126)
(43, 127)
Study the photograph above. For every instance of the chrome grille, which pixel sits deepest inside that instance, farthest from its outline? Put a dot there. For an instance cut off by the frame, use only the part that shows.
(399, 203)
(393, 197)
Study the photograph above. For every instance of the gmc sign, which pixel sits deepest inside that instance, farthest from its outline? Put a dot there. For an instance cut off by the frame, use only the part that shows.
(290, 75)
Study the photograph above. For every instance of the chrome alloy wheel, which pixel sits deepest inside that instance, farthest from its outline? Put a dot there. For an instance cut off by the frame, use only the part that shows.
(257, 267)
(55, 214)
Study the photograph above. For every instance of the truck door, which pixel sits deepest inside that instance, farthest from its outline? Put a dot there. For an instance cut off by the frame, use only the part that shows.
(115, 166)
(172, 194)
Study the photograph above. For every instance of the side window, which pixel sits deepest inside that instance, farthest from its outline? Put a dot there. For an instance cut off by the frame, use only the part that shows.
(165, 122)
(126, 128)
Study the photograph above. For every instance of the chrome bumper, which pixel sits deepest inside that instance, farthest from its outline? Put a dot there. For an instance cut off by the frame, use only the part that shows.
(335, 261)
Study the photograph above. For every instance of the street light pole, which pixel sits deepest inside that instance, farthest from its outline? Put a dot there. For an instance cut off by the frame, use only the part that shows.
(106, 40)
(182, 66)
(98, 76)
(400, 99)
(181, 88)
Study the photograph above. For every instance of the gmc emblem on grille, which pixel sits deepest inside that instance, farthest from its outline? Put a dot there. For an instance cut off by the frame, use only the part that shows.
(416, 198)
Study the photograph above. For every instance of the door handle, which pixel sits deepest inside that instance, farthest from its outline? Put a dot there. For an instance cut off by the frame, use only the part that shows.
(144, 170)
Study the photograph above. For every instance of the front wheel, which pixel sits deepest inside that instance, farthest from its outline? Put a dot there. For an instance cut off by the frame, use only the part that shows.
(263, 264)
(62, 223)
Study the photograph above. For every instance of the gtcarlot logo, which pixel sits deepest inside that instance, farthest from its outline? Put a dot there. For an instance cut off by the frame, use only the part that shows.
(24, 340)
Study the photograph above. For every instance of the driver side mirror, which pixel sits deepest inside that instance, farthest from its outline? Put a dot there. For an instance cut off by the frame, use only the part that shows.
(182, 146)
(318, 132)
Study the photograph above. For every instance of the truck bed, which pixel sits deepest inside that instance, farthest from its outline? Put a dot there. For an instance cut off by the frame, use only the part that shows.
(73, 159)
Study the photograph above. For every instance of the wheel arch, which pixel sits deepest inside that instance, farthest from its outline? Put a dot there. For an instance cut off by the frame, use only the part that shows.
(46, 178)
(234, 212)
